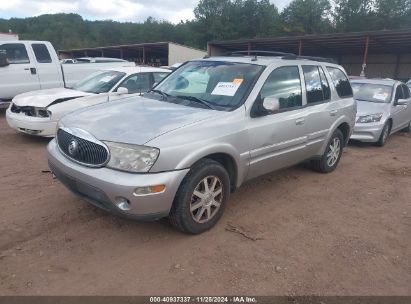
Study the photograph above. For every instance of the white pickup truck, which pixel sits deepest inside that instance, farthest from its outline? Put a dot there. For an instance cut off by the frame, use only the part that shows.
(34, 65)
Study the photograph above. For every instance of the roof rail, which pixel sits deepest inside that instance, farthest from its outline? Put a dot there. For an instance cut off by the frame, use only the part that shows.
(313, 58)
(288, 56)
(259, 53)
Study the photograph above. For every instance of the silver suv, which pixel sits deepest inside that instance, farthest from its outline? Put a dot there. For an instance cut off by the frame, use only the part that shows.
(202, 132)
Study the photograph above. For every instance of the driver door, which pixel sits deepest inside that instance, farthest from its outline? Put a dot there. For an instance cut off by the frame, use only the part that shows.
(20, 75)
(278, 140)
(400, 113)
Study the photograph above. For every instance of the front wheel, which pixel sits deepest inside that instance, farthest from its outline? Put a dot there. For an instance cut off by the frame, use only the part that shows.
(331, 157)
(201, 198)
(384, 135)
(408, 128)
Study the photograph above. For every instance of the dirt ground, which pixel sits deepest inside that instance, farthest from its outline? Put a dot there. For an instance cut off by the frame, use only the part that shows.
(346, 233)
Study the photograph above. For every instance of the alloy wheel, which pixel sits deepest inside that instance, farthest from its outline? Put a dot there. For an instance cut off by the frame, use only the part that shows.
(206, 199)
(334, 152)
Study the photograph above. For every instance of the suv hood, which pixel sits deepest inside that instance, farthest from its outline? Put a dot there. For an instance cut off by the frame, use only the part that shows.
(367, 107)
(136, 120)
(43, 98)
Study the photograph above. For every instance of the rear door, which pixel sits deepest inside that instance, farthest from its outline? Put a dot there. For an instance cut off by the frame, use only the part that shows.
(20, 75)
(47, 69)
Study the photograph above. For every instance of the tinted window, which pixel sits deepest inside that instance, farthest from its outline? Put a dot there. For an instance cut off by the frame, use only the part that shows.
(284, 83)
(398, 93)
(159, 76)
(341, 83)
(313, 84)
(325, 85)
(406, 91)
(16, 53)
(41, 52)
(138, 83)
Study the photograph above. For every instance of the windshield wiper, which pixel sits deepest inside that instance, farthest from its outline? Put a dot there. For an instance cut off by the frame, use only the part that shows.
(198, 100)
(163, 94)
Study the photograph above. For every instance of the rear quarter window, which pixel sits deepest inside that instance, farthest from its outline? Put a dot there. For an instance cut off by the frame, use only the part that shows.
(341, 82)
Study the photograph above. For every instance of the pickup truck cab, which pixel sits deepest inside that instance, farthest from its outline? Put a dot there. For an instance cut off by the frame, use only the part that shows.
(203, 131)
(34, 65)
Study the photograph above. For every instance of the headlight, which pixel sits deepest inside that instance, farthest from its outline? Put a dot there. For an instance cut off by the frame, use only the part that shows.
(370, 118)
(40, 112)
(131, 158)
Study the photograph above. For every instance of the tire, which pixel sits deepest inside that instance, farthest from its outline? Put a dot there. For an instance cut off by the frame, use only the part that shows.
(385, 133)
(329, 161)
(209, 205)
(408, 128)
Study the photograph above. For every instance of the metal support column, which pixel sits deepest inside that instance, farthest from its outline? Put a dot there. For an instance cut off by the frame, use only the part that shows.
(365, 59)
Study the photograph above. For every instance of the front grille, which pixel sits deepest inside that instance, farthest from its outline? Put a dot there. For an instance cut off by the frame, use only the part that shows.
(81, 150)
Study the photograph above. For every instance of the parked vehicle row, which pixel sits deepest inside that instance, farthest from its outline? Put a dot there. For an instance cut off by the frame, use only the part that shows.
(182, 147)
(33, 65)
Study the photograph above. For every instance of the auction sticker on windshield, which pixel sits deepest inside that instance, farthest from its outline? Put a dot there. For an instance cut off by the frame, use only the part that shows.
(380, 96)
(226, 88)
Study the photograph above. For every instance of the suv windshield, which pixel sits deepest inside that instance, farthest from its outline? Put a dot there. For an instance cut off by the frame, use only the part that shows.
(372, 92)
(212, 84)
(100, 82)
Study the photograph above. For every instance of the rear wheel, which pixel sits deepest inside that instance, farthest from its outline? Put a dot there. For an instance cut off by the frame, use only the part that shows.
(201, 198)
(384, 135)
(408, 128)
(331, 157)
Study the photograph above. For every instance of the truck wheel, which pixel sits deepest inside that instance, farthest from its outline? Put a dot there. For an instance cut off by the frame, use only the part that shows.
(384, 135)
(201, 199)
(331, 157)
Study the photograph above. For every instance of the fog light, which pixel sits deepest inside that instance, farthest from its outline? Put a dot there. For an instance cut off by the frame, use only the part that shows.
(123, 203)
(149, 190)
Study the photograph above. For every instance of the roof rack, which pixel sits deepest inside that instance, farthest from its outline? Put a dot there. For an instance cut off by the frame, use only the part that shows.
(258, 53)
(287, 56)
(313, 58)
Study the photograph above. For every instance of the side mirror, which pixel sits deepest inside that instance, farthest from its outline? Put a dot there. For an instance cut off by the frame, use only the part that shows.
(3, 60)
(122, 91)
(271, 104)
(401, 102)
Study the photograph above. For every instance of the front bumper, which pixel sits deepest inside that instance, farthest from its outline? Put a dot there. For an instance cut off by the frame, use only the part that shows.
(103, 186)
(31, 125)
(367, 132)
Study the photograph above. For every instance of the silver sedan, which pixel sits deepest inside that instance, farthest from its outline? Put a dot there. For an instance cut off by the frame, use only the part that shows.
(383, 108)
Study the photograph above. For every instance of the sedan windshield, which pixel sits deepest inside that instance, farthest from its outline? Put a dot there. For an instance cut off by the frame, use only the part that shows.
(211, 84)
(100, 82)
(372, 92)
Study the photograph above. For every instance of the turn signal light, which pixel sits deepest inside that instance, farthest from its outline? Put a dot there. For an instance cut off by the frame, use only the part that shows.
(149, 190)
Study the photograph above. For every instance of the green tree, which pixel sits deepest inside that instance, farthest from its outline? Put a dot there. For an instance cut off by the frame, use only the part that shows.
(307, 17)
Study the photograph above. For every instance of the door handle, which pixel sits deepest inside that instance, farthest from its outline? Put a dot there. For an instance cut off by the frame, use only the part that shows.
(33, 71)
(333, 112)
(300, 121)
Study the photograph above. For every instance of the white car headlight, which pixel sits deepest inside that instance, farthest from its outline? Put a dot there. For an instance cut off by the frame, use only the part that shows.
(131, 158)
(370, 118)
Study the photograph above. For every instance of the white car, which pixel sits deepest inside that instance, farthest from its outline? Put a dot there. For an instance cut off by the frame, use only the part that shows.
(38, 112)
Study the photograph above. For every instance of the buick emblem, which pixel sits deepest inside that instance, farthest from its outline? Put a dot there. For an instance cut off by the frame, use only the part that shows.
(73, 147)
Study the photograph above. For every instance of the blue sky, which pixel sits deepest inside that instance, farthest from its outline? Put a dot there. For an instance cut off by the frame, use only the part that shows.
(119, 10)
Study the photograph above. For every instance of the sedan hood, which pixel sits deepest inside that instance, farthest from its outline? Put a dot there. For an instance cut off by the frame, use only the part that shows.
(367, 107)
(136, 120)
(43, 98)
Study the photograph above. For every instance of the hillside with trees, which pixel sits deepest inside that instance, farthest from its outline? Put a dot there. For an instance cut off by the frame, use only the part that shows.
(219, 20)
